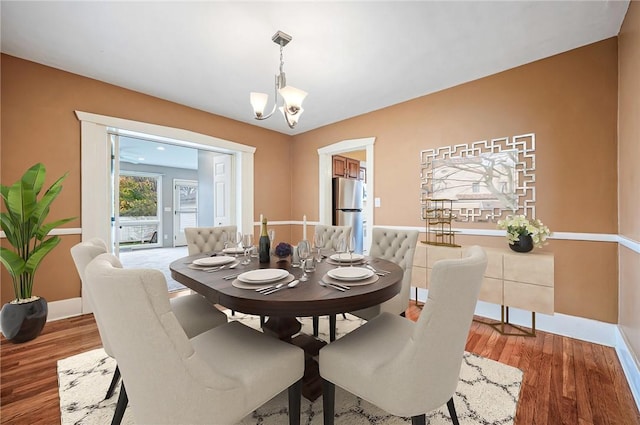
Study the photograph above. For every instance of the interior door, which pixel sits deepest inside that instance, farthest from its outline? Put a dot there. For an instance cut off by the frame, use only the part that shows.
(222, 189)
(185, 209)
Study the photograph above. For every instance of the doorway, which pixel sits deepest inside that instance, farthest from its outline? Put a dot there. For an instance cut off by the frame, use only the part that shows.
(185, 212)
(325, 180)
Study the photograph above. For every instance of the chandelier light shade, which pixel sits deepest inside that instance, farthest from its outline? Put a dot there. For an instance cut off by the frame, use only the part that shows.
(259, 102)
(292, 97)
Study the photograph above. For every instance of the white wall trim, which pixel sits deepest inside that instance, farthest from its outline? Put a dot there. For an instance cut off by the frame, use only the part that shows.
(61, 231)
(64, 309)
(629, 243)
(559, 324)
(593, 331)
(629, 364)
(96, 173)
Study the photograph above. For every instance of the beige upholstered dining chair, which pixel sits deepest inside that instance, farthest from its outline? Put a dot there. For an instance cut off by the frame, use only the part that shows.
(194, 313)
(219, 376)
(397, 246)
(409, 368)
(207, 239)
(330, 234)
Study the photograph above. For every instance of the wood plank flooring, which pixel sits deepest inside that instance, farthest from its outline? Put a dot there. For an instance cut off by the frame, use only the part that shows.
(566, 381)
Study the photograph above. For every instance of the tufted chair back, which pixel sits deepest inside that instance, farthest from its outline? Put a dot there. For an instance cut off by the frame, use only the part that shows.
(206, 239)
(215, 377)
(82, 255)
(397, 246)
(332, 233)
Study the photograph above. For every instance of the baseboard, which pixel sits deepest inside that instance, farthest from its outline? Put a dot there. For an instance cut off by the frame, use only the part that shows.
(559, 324)
(64, 308)
(629, 365)
(570, 326)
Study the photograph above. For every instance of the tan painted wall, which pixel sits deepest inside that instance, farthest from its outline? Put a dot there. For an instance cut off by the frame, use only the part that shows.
(38, 124)
(569, 101)
(629, 157)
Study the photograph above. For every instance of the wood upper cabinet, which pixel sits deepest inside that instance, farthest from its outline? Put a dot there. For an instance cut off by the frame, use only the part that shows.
(345, 167)
(339, 166)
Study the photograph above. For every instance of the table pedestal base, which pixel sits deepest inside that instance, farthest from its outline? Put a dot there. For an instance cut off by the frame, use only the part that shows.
(284, 328)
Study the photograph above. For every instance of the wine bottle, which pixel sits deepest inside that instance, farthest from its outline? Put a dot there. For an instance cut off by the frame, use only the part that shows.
(264, 245)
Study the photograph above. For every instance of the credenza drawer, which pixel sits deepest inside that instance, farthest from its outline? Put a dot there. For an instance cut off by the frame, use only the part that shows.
(529, 297)
(491, 290)
(529, 268)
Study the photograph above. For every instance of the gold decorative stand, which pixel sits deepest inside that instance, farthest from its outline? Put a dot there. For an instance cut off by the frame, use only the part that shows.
(504, 320)
(438, 215)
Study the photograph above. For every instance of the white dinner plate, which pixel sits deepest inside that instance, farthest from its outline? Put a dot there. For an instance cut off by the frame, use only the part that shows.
(345, 257)
(263, 275)
(233, 251)
(218, 260)
(350, 273)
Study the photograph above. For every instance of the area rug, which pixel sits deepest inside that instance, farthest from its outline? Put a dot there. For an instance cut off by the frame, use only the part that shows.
(487, 392)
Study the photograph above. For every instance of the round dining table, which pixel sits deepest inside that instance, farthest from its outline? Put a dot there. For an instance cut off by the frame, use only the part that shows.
(283, 308)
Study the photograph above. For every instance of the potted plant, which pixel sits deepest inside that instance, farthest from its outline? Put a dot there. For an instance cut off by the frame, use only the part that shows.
(523, 234)
(23, 224)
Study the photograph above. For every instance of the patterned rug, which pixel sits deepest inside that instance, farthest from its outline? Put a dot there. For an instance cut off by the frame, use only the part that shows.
(487, 392)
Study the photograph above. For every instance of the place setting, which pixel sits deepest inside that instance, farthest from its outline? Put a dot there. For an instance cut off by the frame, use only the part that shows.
(265, 281)
(346, 259)
(213, 263)
(343, 278)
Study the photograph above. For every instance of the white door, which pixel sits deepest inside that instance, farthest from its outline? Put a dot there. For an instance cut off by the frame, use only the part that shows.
(185, 209)
(222, 189)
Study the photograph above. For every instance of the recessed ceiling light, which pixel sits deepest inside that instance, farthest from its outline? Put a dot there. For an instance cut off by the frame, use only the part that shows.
(141, 158)
(160, 148)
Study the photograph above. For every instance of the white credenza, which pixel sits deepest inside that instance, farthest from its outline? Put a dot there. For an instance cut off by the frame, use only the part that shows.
(512, 279)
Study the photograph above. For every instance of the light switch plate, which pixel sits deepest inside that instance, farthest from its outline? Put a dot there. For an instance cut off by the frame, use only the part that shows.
(376, 202)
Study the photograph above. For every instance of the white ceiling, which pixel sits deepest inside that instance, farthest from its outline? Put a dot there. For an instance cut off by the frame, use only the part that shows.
(352, 57)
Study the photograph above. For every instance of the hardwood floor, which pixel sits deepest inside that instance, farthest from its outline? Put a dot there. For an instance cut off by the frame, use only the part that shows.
(566, 381)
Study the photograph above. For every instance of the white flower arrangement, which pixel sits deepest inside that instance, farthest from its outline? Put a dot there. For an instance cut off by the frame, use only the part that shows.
(517, 225)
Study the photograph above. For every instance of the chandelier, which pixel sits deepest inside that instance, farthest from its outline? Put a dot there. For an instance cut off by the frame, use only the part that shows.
(291, 97)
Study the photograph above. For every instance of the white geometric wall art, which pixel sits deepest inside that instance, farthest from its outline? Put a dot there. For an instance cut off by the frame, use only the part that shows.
(487, 180)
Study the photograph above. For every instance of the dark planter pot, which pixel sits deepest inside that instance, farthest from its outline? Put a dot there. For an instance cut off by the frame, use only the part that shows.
(23, 322)
(524, 244)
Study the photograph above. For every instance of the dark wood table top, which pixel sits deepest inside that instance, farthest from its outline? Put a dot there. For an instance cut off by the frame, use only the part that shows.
(306, 299)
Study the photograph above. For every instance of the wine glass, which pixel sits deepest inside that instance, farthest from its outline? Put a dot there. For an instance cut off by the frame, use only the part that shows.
(225, 240)
(318, 243)
(247, 244)
(272, 237)
(234, 239)
(351, 247)
(304, 250)
(340, 246)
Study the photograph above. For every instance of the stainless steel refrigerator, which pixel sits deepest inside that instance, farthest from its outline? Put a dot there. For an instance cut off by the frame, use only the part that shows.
(347, 207)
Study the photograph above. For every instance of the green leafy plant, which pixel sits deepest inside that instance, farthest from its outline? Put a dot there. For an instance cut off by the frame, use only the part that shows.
(519, 225)
(24, 227)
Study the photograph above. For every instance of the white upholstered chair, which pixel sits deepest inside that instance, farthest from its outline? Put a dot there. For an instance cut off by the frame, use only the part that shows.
(331, 234)
(219, 376)
(397, 246)
(393, 245)
(207, 239)
(194, 313)
(407, 368)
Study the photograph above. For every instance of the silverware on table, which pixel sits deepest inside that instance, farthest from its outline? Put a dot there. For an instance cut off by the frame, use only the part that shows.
(379, 272)
(224, 266)
(330, 285)
(281, 286)
(231, 276)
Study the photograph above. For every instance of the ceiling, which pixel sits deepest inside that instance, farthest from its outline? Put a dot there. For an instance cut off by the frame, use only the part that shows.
(351, 57)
